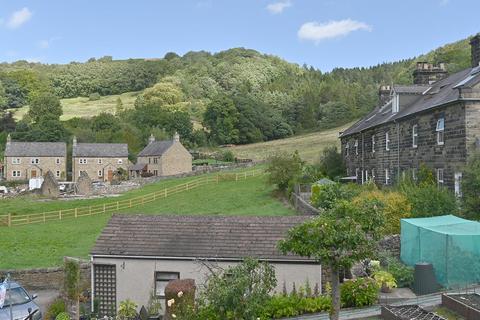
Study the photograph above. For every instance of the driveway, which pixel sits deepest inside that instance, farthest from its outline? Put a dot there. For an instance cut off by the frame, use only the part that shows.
(45, 298)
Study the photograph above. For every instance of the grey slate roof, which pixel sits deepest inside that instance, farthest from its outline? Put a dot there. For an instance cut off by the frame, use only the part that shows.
(138, 167)
(207, 237)
(103, 150)
(440, 93)
(156, 148)
(36, 149)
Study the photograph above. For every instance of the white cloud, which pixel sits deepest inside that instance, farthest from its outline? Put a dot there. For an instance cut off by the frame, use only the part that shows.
(278, 7)
(19, 17)
(316, 32)
(46, 43)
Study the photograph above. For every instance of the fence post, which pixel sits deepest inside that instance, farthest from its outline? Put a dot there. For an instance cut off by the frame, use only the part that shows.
(9, 219)
(60, 215)
(236, 176)
(166, 192)
(118, 206)
(104, 210)
(143, 200)
(245, 175)
(44, 218)
(130, 203)
(186, 186)
(76, 213)
(90, 210)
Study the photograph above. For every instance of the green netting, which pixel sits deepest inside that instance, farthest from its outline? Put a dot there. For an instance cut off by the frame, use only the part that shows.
(449, 243)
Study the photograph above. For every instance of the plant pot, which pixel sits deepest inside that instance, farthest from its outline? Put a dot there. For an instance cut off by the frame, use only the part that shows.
(385, 288)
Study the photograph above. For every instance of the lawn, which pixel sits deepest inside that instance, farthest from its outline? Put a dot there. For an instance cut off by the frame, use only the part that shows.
(44, 245)
(83, 107)
(308, 145)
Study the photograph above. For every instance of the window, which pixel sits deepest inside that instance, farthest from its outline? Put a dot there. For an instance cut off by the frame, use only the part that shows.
(415, 136)
(34, 161)
(57, 161)
(100, 173)
(387, 141)
(396, 103)
(356, 173)
(373, 175)
(161, 281)
(99, 161)
(16, 161)
(347, 149)
(16, 173)
(57, 174)
(119, 161)
(373, 144)
(440, 176)
(82, 161)
(387, 176)
(458, 184)
(155, 173)
(356, 147)
(155, 160)
(414, 174)
(366, 175)
(440, 131)
(149, 161)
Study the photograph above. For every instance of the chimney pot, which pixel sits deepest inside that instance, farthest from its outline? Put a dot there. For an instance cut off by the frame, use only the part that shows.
(151, 138)
(9, 139)
(176, 137)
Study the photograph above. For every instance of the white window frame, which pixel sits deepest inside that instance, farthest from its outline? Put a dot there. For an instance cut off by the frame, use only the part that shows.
(440, 131)
(120, 161)
(99, 161)
(100, 173)
(373, 174)
(356, 147)
(415, 136)
(57, 160)
(347, 149)
(356, 173)
(395, 103)
(414, 174)
(82, 161)
(34, 161)
(440, 176)
(387, 141)
(163, 277)
(387, 177)
(373, 144)
(366, 175)
(16, 161)
(16, 173)
(58, 174)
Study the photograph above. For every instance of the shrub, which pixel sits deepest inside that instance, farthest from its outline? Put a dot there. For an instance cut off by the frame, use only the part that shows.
(62, 316)
(360, 292)
(280, 306)
(384, 279)
(283, 170)
(471, 188)
(127, 310)
(55, 308)
(395, 206)
(94, 96)
(325, 196)
(228, 156)
(403, 274)
(430, 200)
(331, 163)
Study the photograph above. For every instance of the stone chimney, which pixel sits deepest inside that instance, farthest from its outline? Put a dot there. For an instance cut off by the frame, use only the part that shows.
(475, 46)
(151, 139)
(384, 94)
(428, 73)
(176, 137)
(74, 142)
(9, 139)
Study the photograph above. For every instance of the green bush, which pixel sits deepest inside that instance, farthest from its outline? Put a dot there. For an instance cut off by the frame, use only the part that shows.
(94, 96)
(403, 274)
(55, 308)
(228, 156)
(62, 316)
(430, 200)
(280, 306)
(284, 170)
(360, 292)
(325, 196)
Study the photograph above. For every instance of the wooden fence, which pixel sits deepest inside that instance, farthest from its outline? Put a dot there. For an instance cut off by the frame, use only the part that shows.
(11, 220)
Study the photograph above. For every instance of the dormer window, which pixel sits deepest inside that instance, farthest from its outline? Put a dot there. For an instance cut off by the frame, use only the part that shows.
(414, 136)
(387, 141)
(347, 149)
(373, 144)
(396, 103)
(440, 131)
(356, 147)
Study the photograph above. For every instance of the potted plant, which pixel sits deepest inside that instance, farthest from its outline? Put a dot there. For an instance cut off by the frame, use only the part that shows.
(385, 280)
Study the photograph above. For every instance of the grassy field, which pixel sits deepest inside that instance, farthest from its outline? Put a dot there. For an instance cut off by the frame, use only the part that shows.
(44, 245)
(309, 145)
(83, 107)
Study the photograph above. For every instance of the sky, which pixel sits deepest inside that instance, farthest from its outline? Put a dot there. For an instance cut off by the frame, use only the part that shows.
(321, 33)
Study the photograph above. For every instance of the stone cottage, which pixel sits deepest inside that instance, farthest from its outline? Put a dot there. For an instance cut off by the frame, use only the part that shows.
(27, 160)
(435, 121)
(137, 255)
(99, 160)
(163, 158)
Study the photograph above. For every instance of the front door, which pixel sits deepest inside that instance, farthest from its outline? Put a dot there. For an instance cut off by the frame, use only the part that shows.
(110, 175)
(34, 174)
(458, 184)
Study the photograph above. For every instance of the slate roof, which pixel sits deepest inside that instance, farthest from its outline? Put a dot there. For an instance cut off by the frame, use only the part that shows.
(207, 237)
(101, 150)
(442, 92)
(36, 149)
(156, 148)
(138, 167)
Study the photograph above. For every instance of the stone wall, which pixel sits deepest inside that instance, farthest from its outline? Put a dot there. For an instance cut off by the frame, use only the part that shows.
(303, 207)
(390, 244)
(44, 278)
(45, 164)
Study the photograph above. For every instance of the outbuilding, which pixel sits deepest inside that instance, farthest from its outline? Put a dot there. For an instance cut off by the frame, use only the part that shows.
(137, 255)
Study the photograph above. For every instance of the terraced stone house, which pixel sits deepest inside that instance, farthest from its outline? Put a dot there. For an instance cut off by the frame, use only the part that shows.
(435, 121)
(99, 160)
(26, 160)
(163, 158)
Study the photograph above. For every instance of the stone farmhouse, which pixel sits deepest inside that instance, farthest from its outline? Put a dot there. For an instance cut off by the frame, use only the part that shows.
(137, 255)
(163, 158)
(26, 160)
(435, 121)
(99, 160)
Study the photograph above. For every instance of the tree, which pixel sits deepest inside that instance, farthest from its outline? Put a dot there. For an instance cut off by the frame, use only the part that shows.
(338, 238)
(331, 163)
(3, 97)
(119, 108)
(471, 188)
(45, 106)
(239, 292)
(283, 170)
(221, 118)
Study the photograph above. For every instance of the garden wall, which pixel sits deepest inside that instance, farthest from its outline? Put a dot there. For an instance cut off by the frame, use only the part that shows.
(44, 278)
